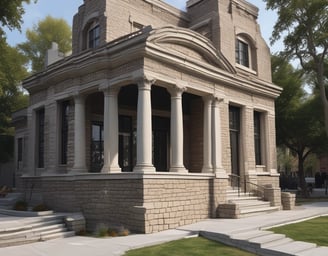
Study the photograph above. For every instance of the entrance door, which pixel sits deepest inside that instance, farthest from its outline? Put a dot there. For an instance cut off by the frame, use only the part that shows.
(234, 126)
(161, 128)
(97, 146)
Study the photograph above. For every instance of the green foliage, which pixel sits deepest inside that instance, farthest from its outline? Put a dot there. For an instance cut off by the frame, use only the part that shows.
(299, 119)
(40, 38)
(312, 231)
(193, 247)
(12, 71)
(11, 13)
(304, 28)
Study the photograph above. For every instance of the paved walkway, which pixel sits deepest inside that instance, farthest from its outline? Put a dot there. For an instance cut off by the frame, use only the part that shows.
(216, 228)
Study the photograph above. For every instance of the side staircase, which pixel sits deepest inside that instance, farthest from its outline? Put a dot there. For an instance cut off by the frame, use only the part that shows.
(33, 229)
(239, 204)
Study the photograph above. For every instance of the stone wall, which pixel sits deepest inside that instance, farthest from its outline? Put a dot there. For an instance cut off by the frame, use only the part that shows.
(144, 205)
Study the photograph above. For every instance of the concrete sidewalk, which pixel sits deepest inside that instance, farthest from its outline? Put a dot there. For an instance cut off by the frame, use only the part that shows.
(214, 228)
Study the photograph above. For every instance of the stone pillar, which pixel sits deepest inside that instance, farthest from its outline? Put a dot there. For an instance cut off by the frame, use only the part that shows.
(207, 134)
(111, 131)
(177, 130)
(144, 128)
(217, 139)
(79, 135)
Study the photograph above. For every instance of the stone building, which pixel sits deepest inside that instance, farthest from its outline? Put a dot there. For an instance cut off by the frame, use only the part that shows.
(153, 113)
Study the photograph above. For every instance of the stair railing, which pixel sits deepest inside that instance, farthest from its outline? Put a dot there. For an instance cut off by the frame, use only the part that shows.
(252, 188)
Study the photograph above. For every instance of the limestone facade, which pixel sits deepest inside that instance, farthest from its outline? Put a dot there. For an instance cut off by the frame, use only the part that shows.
(143, 124)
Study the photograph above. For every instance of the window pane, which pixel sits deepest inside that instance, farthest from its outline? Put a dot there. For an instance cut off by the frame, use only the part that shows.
(257, 138)
(242, 53)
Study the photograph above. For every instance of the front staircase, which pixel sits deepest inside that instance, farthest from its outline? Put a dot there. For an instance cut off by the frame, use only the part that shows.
(33, 229)
(239, 205)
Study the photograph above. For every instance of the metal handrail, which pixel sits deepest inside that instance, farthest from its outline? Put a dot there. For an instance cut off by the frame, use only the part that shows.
(234, 177)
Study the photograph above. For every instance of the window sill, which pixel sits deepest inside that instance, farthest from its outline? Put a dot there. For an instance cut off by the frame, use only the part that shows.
(248, 70)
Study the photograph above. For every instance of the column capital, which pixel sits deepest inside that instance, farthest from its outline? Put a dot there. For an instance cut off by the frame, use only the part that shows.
(208, 98)
(176, 90)
(217, 100)
(145, 82)
(109, 89)
(79, 98)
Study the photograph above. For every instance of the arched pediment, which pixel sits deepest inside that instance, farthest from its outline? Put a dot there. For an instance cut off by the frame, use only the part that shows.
(189, 44)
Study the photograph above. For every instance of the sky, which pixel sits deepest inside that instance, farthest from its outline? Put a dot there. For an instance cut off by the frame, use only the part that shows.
(67, 8)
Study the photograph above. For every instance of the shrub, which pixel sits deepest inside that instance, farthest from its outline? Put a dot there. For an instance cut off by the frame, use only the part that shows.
(20, 206)
(40, 208)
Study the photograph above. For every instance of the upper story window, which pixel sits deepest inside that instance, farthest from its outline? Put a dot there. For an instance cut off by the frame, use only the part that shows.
(246, 53)
(242, 53)
(94, 36)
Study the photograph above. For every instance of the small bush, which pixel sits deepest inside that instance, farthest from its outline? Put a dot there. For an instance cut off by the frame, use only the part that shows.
(40, 208)
(20, 206)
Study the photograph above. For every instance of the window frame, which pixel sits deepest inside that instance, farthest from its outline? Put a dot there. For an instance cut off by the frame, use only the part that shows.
(64, 130)
(243, 53)
(40, 122)
(258, 137)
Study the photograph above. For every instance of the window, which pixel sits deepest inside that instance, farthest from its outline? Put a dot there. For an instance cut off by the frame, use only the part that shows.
(242, 53)
(97, 146)
(257, 138)
(94, 36)
(40, 138)
(19, 150)
(234, 130)
(64, 131)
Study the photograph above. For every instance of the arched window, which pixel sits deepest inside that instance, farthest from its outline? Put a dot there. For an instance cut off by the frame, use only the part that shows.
(91, 35)
(245, 52)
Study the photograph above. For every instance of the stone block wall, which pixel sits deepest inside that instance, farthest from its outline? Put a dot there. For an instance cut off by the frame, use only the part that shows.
(143, 205)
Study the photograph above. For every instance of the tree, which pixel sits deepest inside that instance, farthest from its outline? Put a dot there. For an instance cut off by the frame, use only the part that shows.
(300, 125)
(11, 13)
(304, 26)
(40, 38)
(12, 71)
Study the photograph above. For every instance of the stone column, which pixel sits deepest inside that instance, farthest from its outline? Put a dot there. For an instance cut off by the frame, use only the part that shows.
(79, 135)
(217, 139)
(177, 130)
(144, 128)
(207, 134)
(111, 131)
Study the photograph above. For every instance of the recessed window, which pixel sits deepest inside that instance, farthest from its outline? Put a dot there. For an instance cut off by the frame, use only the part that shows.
(64, 131)
(242, 53)
(257, 138)
(94, 36)
(40, 137)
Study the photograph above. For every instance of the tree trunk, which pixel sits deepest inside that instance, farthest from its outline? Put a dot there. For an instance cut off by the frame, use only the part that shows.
(301, 176)
(323, 95)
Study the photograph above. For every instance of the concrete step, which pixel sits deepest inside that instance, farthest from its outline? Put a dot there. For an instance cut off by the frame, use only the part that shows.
(293, 247)
(34, 229)
(271, 239)
(57, 235)
(31, 230)
(244, 204)
(250, 234)
(255, 211)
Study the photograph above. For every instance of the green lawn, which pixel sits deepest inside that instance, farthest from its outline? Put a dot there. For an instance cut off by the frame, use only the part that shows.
(192, 247)
(312, 231)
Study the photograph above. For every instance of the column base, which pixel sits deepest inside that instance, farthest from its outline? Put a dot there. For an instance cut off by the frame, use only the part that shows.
(78, 170)
(207, 170)
(144, 169)
(178, 169)
(111, 169)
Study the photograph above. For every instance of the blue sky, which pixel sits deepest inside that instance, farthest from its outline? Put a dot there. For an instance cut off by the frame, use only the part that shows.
(67, 8)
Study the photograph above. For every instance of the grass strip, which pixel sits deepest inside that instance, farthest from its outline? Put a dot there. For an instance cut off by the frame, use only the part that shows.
(192, 247)
(312, 231)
